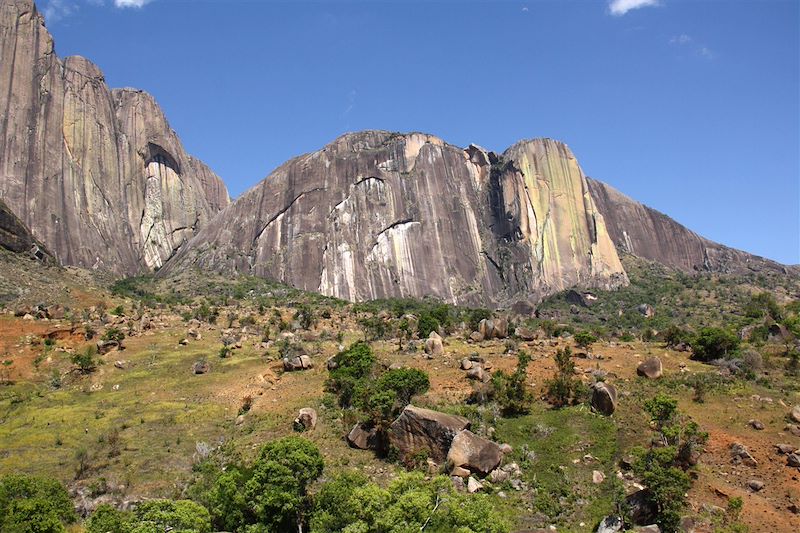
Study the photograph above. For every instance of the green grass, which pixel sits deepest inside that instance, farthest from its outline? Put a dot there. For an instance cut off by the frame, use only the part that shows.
(563, 492)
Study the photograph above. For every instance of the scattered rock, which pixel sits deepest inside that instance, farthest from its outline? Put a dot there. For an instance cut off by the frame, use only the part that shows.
(473, 485)
(646, 310)
(793, 460)
(786, 449)
(301, 362)
(525, 334)
(610, 524)
(103, 347)
(740, 454)
(120, 364)
(794, 414)
(650, 368)
(477, 373)
(476, 336)
(506, 448)
(362, 437)
(417, 430)
(598, 477)
(652, 528)
(201, 367)
(755, 484)
(306, 420)
(604, 398)
(466, 364)
(183, 342)
(433, 345)
(476, 454)
(756, 424)
(460, 472)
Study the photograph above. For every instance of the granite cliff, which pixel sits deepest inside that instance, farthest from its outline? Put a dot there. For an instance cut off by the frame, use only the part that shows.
(377, 214)
(96, 174)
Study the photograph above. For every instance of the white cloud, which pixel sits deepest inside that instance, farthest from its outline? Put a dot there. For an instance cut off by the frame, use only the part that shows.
(706, 52)
(130, 3)
(680, 39)
(620, 7)
(55, 10)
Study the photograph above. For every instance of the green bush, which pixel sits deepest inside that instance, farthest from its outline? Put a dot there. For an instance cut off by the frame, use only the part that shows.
(107, 519)
(427, 323)
(763, 305)
(86, 361)
(564, 387)
(34, 504)
(511, 391)
(714, 343)
(404, 382)
(352, 367)
(114, 334)
(584, 339)
(171, 515)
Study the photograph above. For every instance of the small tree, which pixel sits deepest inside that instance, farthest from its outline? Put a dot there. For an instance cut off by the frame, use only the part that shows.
(86, 360)
(511, 391)
(562, 389)
(714, 343)
(427, 323)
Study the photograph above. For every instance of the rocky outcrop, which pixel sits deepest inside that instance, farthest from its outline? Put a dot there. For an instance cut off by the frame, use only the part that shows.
(644, 232)
(377, 214)
(16, 237)
(422, 430)
(97, 175)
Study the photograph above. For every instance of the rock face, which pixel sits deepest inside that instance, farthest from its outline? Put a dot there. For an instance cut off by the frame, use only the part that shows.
(642, 231)
(377, 214)
(97, 175)
(16, 237)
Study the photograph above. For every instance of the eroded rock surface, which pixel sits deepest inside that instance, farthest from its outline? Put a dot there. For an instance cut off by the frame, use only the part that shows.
(97, 175)
(377, 214)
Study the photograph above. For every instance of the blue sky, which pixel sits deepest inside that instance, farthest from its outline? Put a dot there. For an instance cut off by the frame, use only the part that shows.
(692, 107)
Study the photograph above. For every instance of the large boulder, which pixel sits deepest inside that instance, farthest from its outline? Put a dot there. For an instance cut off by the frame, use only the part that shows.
(493, 328)
(362, 437)
(417, 430)
(474, 453)
(306, 420)
(526, 334)
(604, 398)
(301, 362)
(650, 368)
(794, 414)
(433, 345)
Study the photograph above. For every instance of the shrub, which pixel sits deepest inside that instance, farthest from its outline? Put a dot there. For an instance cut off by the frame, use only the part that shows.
(427, 323)
(584, 339)
(305, 316)
(107, 519)
(563, 388)
(763, 305)
(86, 360)
(114, 334)
(352, 366)
(714, 343)
(511, 391)
(405, 383)
(475, 316)
(169, 515)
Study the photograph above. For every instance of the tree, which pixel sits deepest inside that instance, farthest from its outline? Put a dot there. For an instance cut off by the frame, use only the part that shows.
(350, 368)
(511, 391)
(34, 504)
(185, 516)
(404, 382)
(563, 388)
(427, 323)
(714, 343)
(107, 519)
(85, 360)
(277, 490)
(763, 305)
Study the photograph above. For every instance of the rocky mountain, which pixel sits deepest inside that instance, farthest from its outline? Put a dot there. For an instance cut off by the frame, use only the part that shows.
(16, 237)
(378, 214)
(96, 174)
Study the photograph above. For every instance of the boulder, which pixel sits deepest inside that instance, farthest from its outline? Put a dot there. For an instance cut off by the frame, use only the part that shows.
(103, 347)
(476, 336)
(362, 437)
(417, 430)
(756, 424)
(641, 509)
(786, 449)
(476, 454)
(466, 364)
(201, 367)
(610, 524)
(793, 460)
(478, 374)
(794, 414)
(778, 333)
(306, 420)
(741, 455)
(301, 362)
(433, 345)
(650, 368)
(604, 398)
(493, 328)
(646, 310)
(473, 485)
(577, 298)
(598, 477)
(55, 312)
(755, 484)
(526, 334)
